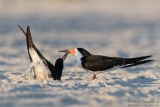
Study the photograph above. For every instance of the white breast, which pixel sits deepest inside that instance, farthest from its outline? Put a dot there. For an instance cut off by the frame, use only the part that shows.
(79, 56)
(79, 61)
(41, 70)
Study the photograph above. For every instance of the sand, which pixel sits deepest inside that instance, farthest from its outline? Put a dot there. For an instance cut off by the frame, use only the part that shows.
(111, 28)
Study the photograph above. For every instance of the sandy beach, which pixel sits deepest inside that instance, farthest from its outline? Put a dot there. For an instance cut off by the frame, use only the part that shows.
(111, 28)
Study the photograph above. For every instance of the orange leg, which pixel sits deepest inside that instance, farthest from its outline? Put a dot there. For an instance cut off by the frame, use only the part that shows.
(94, 76)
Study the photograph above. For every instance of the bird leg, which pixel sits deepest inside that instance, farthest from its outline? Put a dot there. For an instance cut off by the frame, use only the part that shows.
(94, 76)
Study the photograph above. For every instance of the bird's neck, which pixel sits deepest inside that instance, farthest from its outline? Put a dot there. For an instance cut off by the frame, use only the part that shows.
(79, 56)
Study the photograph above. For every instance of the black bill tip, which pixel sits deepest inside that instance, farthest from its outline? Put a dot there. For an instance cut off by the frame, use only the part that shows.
(64, 56)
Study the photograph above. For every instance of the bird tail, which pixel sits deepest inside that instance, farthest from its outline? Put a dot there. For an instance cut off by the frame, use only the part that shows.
(129, 62)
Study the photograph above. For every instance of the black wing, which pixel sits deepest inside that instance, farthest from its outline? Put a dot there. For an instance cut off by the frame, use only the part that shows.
(26, 42)
(46, 62)
(30, 43)
(129, 62)
(100, 63)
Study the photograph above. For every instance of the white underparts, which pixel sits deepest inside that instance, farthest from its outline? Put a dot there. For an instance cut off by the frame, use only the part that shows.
(37, 68)
(79, 61)
(79, 56)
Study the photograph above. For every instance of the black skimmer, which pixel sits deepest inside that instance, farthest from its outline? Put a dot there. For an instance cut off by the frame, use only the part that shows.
(40, 67)
(97, 63)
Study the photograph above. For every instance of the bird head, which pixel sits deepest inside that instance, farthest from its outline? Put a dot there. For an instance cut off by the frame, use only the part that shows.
(77, 51)
(64, 56)
(59, 67)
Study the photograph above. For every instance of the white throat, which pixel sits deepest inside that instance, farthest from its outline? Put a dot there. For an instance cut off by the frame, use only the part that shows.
(79, 56)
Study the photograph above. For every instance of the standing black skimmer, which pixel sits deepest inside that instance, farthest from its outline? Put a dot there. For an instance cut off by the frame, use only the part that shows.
(97, 63)
(40, 67)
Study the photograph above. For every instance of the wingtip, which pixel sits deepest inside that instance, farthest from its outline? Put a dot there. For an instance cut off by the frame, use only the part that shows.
(144, 57)
(18, 26)
(28, 28)
(22, 30)
(137, 63)
(148, 56)
(29, 38)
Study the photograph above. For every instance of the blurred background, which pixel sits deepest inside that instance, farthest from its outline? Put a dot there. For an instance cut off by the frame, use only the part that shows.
(124, 28)
(109, 27)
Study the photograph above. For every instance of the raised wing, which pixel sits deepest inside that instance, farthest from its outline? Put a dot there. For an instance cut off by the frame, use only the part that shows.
(29, 42)
(45, 61)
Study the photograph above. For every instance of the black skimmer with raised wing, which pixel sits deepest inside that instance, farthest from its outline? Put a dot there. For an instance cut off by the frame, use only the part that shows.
(96, 63)
(40, 67)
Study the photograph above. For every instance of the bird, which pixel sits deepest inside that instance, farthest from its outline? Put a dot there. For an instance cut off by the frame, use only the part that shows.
(40, 67)
(96, 63)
